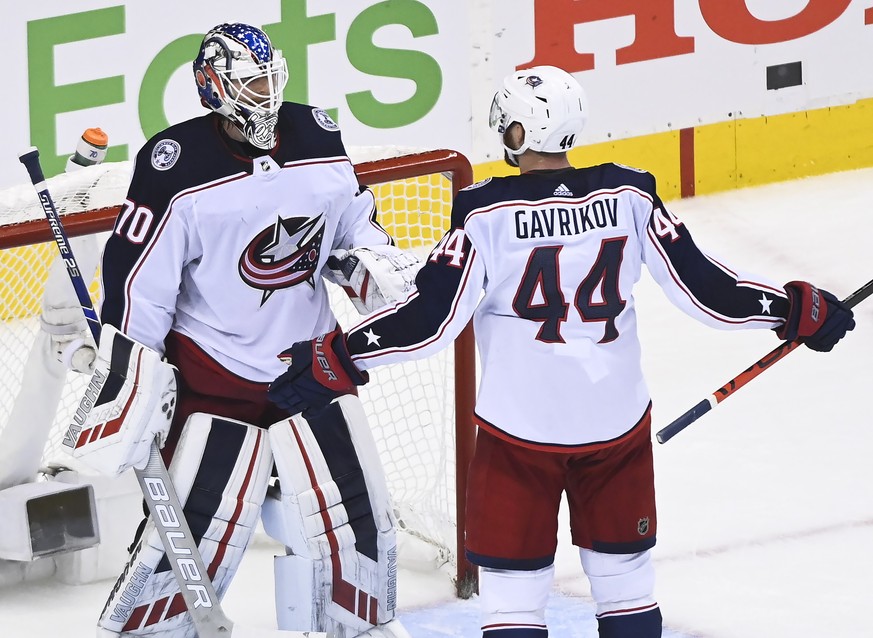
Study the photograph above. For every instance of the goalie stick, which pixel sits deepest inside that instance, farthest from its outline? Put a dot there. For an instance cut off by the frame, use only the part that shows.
(154, 480)
(675, 427)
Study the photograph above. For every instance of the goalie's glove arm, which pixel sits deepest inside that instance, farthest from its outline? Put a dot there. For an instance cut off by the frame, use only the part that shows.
(358, 225)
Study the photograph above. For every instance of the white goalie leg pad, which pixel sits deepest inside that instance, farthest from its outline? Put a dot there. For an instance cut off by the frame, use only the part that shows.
(129, 401)
(620, 582)
(220, 469)
(375, 276)
(334, 515)
(514, 599)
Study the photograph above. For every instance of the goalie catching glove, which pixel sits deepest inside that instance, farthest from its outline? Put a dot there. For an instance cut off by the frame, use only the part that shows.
(815, 316)
(374, 277)
(319, 371)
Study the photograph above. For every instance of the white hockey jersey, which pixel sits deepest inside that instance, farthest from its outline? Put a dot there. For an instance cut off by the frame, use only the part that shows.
(546, 262)
(229, 250)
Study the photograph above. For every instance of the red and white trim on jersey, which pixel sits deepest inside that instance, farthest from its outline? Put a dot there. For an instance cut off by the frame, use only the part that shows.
(681, 285)
(558, 447)
(562, 201)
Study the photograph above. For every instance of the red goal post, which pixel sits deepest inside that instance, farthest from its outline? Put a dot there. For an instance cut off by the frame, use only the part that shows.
(414, 193)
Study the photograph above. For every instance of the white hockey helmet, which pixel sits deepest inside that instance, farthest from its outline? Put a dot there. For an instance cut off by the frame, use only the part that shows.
(229, 69)
(549, 104)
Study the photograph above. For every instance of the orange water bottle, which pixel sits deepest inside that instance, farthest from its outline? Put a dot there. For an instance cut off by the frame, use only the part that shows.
(90, 150)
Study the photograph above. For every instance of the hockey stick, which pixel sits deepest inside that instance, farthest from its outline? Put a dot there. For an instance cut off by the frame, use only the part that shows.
(154, 480)
(764, 363)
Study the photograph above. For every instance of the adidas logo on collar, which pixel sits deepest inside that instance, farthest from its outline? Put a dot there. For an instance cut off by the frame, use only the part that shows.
(563, 191)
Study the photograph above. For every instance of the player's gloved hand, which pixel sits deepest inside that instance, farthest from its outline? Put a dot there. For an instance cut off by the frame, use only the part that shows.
(815, 317)
(319, 371)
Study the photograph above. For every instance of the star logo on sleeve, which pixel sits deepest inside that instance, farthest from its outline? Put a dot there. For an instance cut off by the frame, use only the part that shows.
(765, 304)
(372, 337)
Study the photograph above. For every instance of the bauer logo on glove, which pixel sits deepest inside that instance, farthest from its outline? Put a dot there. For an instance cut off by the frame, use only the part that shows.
(815, 317)
(319, 371)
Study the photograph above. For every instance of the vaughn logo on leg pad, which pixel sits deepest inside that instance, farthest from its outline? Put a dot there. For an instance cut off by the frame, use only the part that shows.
(98, 379)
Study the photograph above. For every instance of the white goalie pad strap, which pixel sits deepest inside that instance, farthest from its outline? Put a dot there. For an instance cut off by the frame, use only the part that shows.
(129, 401)
(334, 515)
(220, 469)
(375, 276)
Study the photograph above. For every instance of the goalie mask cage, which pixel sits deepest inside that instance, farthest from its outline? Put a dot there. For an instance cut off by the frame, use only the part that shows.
(420, 411)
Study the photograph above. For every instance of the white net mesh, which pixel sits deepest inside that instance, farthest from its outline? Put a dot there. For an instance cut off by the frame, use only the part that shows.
(410, 406)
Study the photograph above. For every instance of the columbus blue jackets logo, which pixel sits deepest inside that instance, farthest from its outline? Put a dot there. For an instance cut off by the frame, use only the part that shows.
(283, 255)
(165, 153)
(324, 120)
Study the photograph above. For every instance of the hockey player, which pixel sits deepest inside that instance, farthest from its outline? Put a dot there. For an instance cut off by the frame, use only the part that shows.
(545, 262)
(219, 251)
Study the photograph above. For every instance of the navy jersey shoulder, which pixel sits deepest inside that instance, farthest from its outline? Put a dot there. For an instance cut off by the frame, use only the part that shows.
(544, 185)
(195, 152)
(176, 158)
(306, 132)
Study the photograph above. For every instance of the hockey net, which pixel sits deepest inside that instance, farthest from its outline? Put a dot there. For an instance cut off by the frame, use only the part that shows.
(419, 411)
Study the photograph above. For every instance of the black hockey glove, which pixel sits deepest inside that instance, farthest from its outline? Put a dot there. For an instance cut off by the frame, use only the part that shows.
(815, 317)
(319, 371)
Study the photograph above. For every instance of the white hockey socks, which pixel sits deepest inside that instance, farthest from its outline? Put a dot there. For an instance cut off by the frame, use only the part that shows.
(513, 602)
(220, 469)
(334, 515)
(623, 586)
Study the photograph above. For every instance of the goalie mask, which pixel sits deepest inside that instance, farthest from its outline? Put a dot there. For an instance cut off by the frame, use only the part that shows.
(548, 103)
(241, 77)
